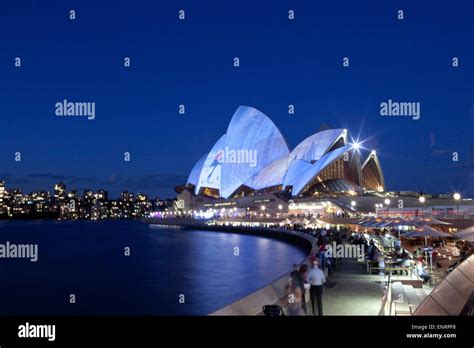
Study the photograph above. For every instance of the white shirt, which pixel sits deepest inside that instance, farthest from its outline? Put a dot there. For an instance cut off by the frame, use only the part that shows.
(316, 277)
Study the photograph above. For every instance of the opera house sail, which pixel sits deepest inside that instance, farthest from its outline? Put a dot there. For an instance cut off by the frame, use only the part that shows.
(252, 158)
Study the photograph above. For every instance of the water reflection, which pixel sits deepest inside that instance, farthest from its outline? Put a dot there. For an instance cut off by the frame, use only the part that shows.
(88, 258)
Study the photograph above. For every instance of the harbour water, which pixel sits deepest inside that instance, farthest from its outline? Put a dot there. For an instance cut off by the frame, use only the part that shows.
(168, 271)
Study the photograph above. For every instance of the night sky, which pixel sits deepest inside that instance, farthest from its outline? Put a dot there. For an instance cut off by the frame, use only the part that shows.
(190, 62)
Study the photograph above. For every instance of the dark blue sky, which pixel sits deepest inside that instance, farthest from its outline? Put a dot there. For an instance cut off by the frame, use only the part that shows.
(190, 62)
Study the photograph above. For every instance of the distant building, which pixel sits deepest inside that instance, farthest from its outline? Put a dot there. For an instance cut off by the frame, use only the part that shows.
(72, 194)
(127, 196)
(101, 195)
(3, 194)
(88, 194)
(59, 194)
(71, 206)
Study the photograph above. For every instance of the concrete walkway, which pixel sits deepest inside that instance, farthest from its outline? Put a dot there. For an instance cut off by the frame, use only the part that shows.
(354, 291)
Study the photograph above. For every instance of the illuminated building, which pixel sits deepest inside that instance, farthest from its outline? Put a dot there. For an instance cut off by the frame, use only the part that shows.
(252, 158)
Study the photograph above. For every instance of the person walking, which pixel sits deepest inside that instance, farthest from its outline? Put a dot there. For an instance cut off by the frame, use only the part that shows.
(298, 280)
(304, 273)
(316, 279)
(294, 298)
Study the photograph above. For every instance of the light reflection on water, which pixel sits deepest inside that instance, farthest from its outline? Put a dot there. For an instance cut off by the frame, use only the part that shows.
(87, 259)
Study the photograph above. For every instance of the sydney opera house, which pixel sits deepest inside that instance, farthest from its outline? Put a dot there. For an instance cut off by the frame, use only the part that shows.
(251, 163)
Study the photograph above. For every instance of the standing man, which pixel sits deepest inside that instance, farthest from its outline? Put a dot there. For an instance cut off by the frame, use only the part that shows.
(316, 279)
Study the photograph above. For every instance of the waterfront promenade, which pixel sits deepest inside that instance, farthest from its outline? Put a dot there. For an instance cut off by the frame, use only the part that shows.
(350, 289)
(354, 292)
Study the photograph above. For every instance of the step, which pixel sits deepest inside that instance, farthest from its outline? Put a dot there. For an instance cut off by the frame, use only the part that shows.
(422, 294)
(402, 309)
(412, 297)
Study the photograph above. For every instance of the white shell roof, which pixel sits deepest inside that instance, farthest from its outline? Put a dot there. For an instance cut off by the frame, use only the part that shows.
(193, 177)
(266, 160)
(316, 168)
(271, 175)
(316, 145)
(250, 130)
(373, 157)
(211, 170)
(294, 172)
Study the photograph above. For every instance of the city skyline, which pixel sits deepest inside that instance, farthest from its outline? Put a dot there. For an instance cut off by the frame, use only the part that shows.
(160, 186)
(72, 190)
(64, 204)
(186, 62)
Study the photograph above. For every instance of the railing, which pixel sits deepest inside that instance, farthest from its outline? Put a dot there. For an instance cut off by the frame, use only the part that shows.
(386, 307)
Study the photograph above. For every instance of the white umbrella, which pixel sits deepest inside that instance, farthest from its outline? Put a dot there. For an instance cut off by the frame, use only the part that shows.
(432, 221)
(364, 221)
(371, 222)
(465, 233)
(469, 238)
(426, 231)
(316, 221)
(298, 220)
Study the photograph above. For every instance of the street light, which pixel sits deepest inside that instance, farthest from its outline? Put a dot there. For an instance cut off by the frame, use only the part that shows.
(353, 203)
(263, 208)
(457, 197)
(356, 146)
(280, 208)
(422, 201)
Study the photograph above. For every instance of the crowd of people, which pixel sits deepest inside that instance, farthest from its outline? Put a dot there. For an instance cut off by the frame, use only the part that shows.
(382, 246)
(314, 277)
